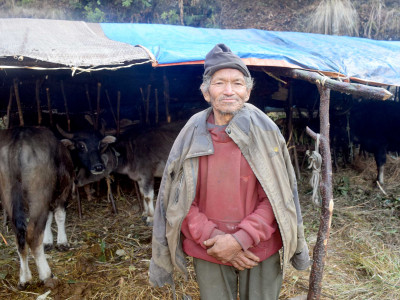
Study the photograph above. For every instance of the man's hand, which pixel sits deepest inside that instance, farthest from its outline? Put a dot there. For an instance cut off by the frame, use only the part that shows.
(223, 247)
(245, 260)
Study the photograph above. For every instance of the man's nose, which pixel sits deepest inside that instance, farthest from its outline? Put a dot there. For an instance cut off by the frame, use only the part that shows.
(228, 89)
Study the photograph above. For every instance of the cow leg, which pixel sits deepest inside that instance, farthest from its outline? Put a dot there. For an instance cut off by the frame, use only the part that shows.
(25, 274)
(380, 159)
(48, 235)
(380, 174)
(146, 187)
(62, 241)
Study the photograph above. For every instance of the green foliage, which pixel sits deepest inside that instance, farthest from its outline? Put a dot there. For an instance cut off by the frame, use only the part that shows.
(94, 14)
(170, 17)
(342, 188)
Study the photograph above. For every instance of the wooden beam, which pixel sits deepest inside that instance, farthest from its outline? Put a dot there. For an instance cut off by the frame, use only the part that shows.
(356, 89)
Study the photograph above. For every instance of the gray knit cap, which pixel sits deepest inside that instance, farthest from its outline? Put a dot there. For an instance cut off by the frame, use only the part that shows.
(221, 57)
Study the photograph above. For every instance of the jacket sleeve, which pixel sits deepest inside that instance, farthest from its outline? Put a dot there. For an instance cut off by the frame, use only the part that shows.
(161, 267)
(301, 258)
(259, 225)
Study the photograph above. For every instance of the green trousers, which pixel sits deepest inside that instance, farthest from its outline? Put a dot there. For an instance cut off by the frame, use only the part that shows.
(220, 282)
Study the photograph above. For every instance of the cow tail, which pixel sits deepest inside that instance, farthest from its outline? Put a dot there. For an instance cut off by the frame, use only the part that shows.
(18, 214)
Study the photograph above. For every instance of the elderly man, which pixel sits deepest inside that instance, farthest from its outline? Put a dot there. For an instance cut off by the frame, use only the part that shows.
(228, 196)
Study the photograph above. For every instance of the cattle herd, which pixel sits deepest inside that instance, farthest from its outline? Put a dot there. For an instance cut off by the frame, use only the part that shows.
(39, 172)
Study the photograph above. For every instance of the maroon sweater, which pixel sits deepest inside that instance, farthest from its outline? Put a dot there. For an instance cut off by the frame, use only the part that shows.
(229, 199)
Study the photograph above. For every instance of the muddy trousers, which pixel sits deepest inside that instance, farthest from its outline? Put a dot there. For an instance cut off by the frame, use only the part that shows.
(223, 282)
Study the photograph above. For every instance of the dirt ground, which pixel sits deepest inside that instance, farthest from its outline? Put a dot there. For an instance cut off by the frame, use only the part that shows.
(109, 254)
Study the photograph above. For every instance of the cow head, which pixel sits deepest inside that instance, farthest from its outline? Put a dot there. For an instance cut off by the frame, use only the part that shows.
(87, 149)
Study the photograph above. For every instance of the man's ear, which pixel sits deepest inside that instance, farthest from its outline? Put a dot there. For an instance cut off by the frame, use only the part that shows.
(206, 94)
(248, 95)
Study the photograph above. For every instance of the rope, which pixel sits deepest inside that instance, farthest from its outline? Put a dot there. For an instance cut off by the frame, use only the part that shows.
(315, 162)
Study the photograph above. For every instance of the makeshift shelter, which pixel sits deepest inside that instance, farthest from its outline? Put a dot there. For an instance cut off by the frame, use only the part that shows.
(38, 57)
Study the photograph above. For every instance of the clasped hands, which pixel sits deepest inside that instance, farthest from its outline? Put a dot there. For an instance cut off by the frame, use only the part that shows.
(226, 248)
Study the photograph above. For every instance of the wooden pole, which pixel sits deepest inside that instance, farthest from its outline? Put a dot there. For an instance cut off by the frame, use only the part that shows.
(292, 143)
(96, 127)
(320, 249)
(344, 87)
(9, 107)
(111, 108)
(118, 112)
(49, 106)
(66, 106)
(148, 103)
(156, 97)
(37, 93)
(166, 97)
(16, 91)
(88, 98)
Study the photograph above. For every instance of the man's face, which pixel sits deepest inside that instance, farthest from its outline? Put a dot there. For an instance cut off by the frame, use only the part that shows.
(227, 94)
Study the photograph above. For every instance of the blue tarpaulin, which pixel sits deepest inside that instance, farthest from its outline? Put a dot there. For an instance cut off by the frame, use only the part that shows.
(357, 58)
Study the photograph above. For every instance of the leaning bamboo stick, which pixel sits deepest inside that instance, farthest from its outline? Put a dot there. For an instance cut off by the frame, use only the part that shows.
(9, 107)
(66, 106)
(39, 111)
(16, 91)
(49, 106)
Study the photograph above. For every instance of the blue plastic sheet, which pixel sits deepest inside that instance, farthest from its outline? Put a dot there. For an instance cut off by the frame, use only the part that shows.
(365, 59)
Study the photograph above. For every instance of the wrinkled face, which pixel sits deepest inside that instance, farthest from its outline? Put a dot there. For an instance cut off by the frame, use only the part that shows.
(227, 94)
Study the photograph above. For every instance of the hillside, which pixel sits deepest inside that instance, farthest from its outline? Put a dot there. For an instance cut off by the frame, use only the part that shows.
(378, 19)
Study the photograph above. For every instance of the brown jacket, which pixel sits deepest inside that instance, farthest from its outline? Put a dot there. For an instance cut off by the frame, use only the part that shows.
(263, 146)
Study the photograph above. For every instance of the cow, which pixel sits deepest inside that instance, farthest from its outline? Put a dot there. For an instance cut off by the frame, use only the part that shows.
(36, 177)
(374, 125)
(139, 154)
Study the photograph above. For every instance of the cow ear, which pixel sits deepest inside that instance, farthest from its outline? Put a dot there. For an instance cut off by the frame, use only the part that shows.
(68, 143)
(109, 139)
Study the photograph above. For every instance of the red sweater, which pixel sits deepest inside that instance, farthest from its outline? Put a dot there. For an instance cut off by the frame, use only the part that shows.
(229, 199)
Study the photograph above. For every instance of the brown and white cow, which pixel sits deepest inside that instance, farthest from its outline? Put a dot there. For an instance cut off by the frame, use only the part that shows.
(36, 177)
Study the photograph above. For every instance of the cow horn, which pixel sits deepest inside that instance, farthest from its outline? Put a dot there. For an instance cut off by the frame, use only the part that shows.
(64, 134)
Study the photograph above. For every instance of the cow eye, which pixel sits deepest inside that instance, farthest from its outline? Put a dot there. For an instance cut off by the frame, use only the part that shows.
(81, 146)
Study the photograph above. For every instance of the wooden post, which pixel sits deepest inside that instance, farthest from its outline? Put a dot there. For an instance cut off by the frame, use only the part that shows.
(118, 112)
(16, 91)
(49, 106)
(88, 98)
(166, 97)
(37, 93)
(111, 108)
(320, 249)
(96, 127)
(148, 103)
(291, 141)
(156, 97)
(66, 106)
(9, 107)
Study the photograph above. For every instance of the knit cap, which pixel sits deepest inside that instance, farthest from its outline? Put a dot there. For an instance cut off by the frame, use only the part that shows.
(221, 57)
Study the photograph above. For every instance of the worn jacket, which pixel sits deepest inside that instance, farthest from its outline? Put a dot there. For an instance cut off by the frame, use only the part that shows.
(264, 147)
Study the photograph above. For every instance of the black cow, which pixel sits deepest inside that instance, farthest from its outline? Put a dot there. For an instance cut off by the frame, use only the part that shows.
(36, 176)
(140, 155)
(374, 127)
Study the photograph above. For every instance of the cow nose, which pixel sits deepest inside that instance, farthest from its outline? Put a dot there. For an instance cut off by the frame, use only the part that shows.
(98, 169)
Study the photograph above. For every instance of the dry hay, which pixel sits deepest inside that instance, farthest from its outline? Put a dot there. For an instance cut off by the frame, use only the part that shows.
(109, 254)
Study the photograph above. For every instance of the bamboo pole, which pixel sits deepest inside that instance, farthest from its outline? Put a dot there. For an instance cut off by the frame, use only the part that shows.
(88, 98)
(49, 106)
(37, 94)
(118, 112)
(66, 106)
(292, 143)
(16, 91)
(320, 249)
(156, 97)
(9, 107)
(141, 105)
